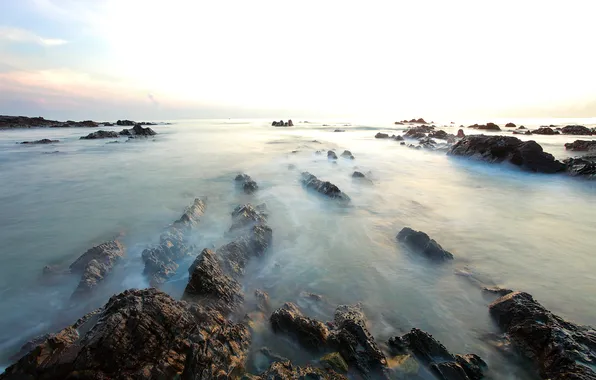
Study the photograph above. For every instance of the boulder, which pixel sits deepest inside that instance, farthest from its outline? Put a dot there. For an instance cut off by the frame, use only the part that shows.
(487, 127)
(358, 175)
(439, 135)
(380, 135)
(545, 131)
(287, 371)
(461, 134)
(397, 138)
(331, 155)
(138, 131)
(95, 264)
(290, 123)
(347, 154)
(326, 188)
(427, 143)
(310, 333)
(140, 334)
(528, 155)
(42, 141)
(126, 123)
(510, 125)
(281, 123)
(581, 166)
(100, 135)
(521, 127)
(576, 130)
(581, 145)
(420, 242)
(560, 349)
(246, 182)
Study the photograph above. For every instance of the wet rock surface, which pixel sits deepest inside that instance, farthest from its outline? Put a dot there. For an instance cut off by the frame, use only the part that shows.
(236, 254)
(545, 131)
(347, 154)
(420, 242)
(95, 264)
(248, 185)
(140, 334)
(326, 188)
(528, 155)
(560, 349)
(380, 135)
(310, 333)
(247, 215)
(418, 132)
(581, 145)
(576, 130)
(137, 131)
(581, 166)
(42, 141)
(161, 260)
(331, 155)
(100, 135)
(487, 127)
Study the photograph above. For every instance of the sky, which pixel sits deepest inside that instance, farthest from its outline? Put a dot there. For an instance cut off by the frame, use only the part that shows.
(161, 60)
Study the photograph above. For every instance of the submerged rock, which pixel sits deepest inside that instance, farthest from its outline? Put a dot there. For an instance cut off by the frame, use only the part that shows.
(576, 130)
(397, 138)
(528, 155)
(581, 166)
(140, 334)
(42, 141)
(137, 131)
(339, 130)
(560, 349)
(545, 131)
(161, 261)
(347, 154)
(246, 182)
(310, 333)
(100, 135)
(95, 264)
(421, 243)
(581, 145)
(380, 135)
(247, 215)
(496, 290)
(262, 300)
(325, 188)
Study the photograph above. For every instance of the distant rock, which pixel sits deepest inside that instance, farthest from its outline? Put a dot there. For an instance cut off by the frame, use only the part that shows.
(347, 154)
(545, 131)
(358, 175)
(128, 123)
(439, 135)
(418, 132)
(14, 122)
(414, 121)
(399, 123)
(380, 135)
(138, 130)
(521, 127)
(526, 154)
(311, 333)
(397, 138)
(510, 125)
(576, 130)
(487, 127)
(339, 130)
(326, 188)
(581, 145)
(331, 155)
(42, 141)
(420, 242)
(95, 264)
(281, 123)
(100, 135)
(581, 166)
(246, 182)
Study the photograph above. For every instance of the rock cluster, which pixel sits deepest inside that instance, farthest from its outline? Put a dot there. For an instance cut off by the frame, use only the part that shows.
(246, 182)
(281, 123)
(326, 188)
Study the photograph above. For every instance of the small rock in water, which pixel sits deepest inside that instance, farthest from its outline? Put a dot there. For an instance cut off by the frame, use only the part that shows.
(42, 141)
(496, 290)
(358, 175)
(100, 135)
(581, 166)
(339, 130)
(262, 299)
(248, 185)
(510, 125)
(311, 296)
(331, 155)
(347, 154)
(422, 243)
(380, 135)
(576, 130)
(325, 188)
(461, 134)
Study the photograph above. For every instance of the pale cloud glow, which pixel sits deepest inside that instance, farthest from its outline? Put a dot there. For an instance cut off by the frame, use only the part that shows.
(382, 58)
(21, 35)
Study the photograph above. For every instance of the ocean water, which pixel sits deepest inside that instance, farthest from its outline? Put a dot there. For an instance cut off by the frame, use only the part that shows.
(505, 227)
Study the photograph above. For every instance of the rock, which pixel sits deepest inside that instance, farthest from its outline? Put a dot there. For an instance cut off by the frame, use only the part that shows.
(510, 125)
(521, 127)
(544, 131)
(528, 155)
(528, 133)
(161, 261)
(461, 134)
(310, 333)
(290, 123)
(211, 287)
(140, 334)
(487, 126)
(236, 254)
(264, 357)
(95, 265)
(576, 130)
(448, 371)
(398, 123)
(397, 138)
(331, 155)
(100, 135)
(263, 303)
(422, 243)
(311, 296)
(358, 175)
(339, 130)
(380, 135)
(427, 143)
(347, 154)
(581, 166)
(326, 188)
(129, 123)
(417, 121)
(42, 141)
(496, 290)
(560, 349)
(335, 362)
(439, 135)
(351, 338)
(581, 145)
(138, 130)
(281, 123)
(402, 143)
(245, 216)
(473, 365)
(286, 371)
(418, 132)
(403, 366)
(246, 182)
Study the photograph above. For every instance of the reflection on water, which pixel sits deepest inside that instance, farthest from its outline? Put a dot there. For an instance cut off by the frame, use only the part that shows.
(520, 230)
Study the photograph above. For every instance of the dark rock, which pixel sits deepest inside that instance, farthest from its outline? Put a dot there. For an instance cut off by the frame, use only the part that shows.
(560, 349)
(380, 135)
(161, 261)
(236, 254)
(397, 138)
(544, 131)
(310, 333)
(137, 131)
(286, 371)
(347, 154)
(247, 215)
(576, 130)
(473, 365)
(417, 121)
(246, 182)
(461, 134)
(140, 334)
(510, 125)
(211, 287)
(521, 127)
(331, 155)
(325, 188)
(528, 155)
(100, 135)
(427, 143)
(358, 175)
(42, 141)
(398, 123)
(290, 123)
(95, 265)
(281, 123)
(128, 123)
(581, 145)
(418, 132)
(528, 133)
(487, 126)
(420, 242)
(335, 362)
(402, 143)
(339, 130)
(439, 135)
(581, 166)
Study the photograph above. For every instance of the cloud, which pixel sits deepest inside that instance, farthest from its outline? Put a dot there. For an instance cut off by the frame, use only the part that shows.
(18, 35)
(153, 100)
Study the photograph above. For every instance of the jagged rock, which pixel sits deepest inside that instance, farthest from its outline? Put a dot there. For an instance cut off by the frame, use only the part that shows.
(581, 166)
(100, 135)
(95, 265)
(42, 141)
(246, 182)
(138, 130)
(545, 131)
(380, 135)
(236, 254)
(510, 125)
(427, 143)
(335, 362)
(347, 154)
(418, 132)
(421, 243)
(325, 188)
(245, 216)
(487, 126)
(439, 135)
(528, 155)
(125, 123)
(581, 145)
(211, 287)
(310, 333)
(160, 261)
(286, 371)
(140, 334)
(576, 130)
(351, 338)
(473, 365)
(560, 349)
(331, 155)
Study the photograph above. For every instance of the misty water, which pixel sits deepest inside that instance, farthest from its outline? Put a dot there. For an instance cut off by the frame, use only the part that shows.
(505, 227)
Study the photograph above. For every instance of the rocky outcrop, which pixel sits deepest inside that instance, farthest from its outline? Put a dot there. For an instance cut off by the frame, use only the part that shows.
(576, 130)
(161, 261)
(560, 349)
(432, 354)
(487, 127)
(414, 121)
(247, 215)
(95, 264)
(427, 143)
(461, 134)
(347, 154)
(418, 132)
(581, 166)
(397, 138)
(138, 131)
(510, 125)
(42, 141)
(287, 371)
(246, 182)
(236, 254)
(545, 131)
(326, 188)
(100, 135)
(126, 123)
(442, 135)
(14, 122)
(339, 130)
(281, 123)
(140, 334)
(310, 333)
(581, 145)
(380, 135)
(528, 155)
(331, 155)
(420, 242)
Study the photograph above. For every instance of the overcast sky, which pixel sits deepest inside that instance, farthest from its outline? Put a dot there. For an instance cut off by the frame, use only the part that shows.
(106, 59)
